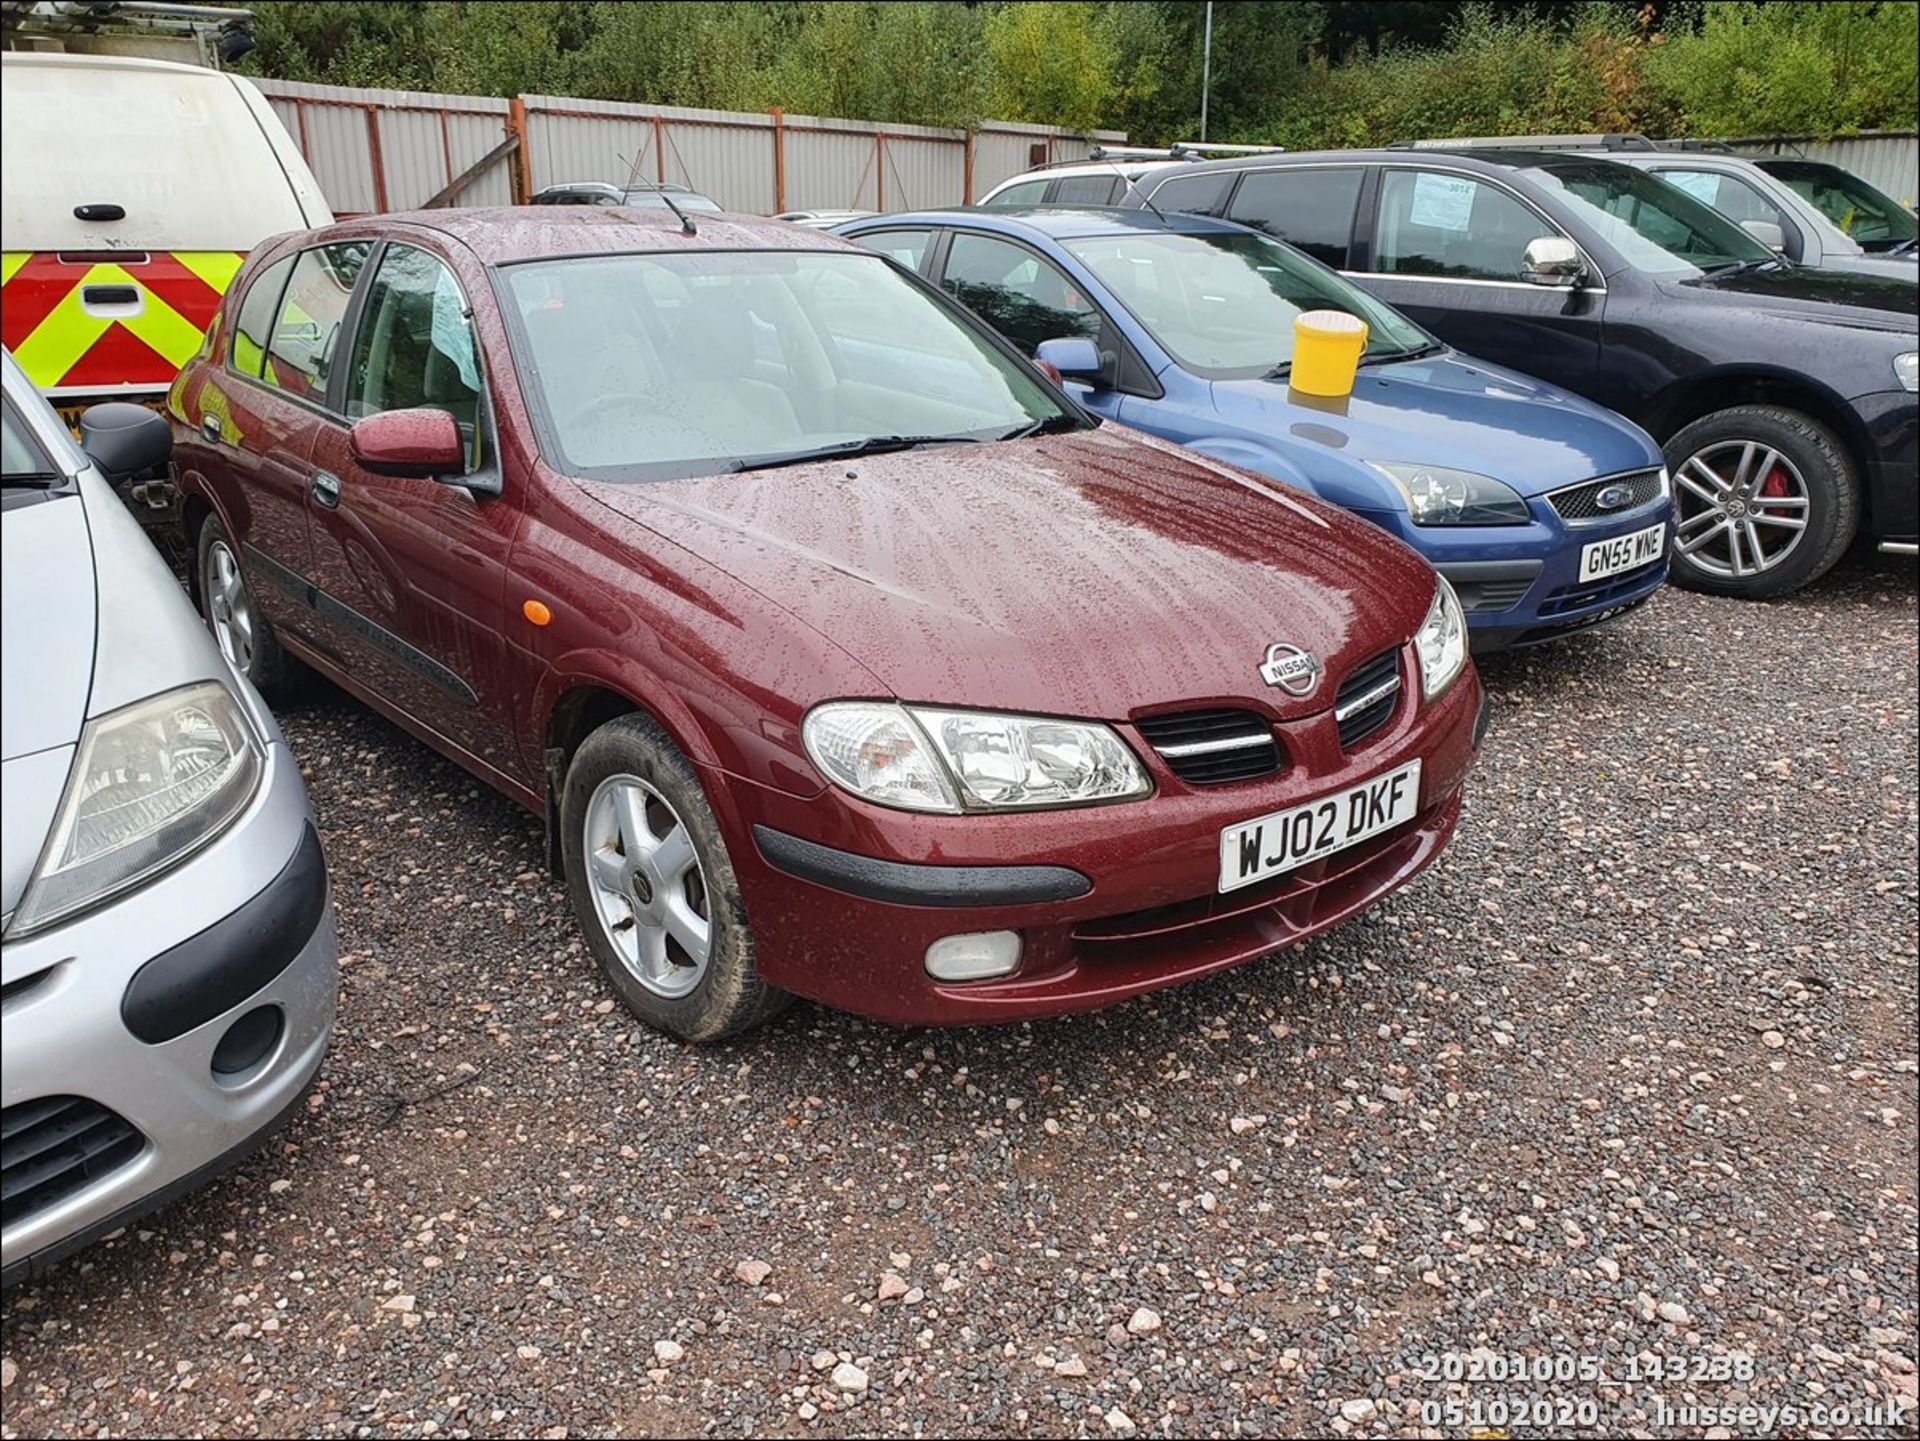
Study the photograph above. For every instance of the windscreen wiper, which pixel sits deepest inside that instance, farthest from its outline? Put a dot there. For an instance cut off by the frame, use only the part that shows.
(1052, 425)
(1387, 357)
(847, 450)
(29, 479)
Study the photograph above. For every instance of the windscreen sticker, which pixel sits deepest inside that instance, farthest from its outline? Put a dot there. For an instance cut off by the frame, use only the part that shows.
(1702, 187)
(1442, 202)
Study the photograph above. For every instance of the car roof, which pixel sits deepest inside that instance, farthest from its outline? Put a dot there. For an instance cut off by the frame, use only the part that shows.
(504, 234)
(1060, 222)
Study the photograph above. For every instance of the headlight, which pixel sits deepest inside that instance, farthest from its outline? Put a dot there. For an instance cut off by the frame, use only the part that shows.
(1441, 641)
(1906, 370)
(1439, 496)
(150, 785)
(924, 759)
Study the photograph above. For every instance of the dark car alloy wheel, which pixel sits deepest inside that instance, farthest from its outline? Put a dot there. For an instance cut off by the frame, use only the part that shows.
(1741, 508)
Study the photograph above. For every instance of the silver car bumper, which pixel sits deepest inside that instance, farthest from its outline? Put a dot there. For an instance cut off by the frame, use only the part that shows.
(246, 923)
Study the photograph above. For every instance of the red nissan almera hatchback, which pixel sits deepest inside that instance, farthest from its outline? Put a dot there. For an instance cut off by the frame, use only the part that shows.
(843, 654)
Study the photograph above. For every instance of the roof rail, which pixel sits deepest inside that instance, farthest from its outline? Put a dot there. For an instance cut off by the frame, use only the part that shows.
(1179, 150)
(215, 33)
(1625, 141)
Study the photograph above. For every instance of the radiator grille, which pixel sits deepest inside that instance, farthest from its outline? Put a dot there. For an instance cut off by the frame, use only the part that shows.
(1213, 747)
(55, 1146)
(1582, 502)
(1367, 698)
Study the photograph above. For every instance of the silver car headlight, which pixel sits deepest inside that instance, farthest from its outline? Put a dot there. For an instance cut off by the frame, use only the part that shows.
(1441, 641)
(150, 784)
(921, 758)
(1906, 370)
(1437, 495)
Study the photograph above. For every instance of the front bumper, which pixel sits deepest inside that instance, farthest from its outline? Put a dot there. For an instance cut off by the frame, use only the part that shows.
(1110, 901)
(1520, 584)
(1892, 421)
(242, 925)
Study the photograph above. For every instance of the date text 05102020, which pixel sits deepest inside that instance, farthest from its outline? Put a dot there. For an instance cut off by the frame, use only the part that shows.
(1508, 1368)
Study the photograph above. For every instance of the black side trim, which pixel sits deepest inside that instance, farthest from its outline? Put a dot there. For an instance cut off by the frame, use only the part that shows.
(1472, 570)
(233, 958)
(45, 1259)
(1482, 720)
(331, 608)
(902, 884)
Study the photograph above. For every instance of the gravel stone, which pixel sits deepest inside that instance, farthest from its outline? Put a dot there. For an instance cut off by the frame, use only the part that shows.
(849, 1377)
(1554, 1033)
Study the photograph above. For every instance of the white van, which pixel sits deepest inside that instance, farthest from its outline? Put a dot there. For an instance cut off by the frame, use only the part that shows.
(133, 189)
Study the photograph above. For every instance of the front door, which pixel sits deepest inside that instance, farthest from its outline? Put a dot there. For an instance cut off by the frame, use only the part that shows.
(1446, 248)
(412, 572)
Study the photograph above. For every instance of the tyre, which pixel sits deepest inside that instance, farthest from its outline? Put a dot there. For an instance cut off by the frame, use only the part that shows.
(242, 633)
(654, 889)
(1765, 500)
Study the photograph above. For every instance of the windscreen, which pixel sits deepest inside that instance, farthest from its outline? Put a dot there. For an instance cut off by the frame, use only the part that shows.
(1875, 222)
(1224, 305)
(1658, 228)
(659, 367)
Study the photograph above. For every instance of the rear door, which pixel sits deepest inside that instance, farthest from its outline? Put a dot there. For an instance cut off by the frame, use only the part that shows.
(411, 573)
(1445, 246)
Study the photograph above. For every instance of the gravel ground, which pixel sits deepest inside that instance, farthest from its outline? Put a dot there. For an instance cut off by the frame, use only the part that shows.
(1629, 1072)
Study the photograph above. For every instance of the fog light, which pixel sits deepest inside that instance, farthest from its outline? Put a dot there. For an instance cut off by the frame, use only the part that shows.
(248, 1041)
(977, 957)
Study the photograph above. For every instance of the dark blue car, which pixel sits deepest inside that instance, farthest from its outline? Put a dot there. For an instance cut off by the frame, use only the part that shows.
(1547, 512)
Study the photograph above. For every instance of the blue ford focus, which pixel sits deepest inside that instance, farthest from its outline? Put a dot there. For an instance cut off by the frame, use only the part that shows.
(1547, 512)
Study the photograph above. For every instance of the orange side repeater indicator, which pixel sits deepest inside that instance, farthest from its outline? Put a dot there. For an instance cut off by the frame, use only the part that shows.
(535, 611)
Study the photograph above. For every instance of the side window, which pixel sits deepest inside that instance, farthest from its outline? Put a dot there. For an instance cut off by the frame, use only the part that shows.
(1451, 225)
(253, 326)
(1025, 298)
(909, 247)
(415, 346)
(1728, 194)
(1312, 210)
(1193, 194)
(1027, 192)
(1085, 190)
(306, 332)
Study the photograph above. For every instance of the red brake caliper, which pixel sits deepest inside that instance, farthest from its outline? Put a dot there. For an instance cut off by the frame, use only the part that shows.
(1775, 485)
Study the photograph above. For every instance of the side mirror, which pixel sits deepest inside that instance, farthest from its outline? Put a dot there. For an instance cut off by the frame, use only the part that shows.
(420, 443)
(1552, 260)
(123, 439)
(1071, 357)
(1767, 233)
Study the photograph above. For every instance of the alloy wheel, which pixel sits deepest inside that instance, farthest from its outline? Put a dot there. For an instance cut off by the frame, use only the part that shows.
(229, 607)
(1741, 508)
(649, 890)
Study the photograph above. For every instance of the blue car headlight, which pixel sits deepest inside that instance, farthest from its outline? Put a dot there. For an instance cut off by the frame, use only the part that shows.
(1439, 495)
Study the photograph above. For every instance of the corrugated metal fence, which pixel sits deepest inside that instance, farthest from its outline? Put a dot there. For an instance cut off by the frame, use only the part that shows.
(377, 150)
(1888, 160)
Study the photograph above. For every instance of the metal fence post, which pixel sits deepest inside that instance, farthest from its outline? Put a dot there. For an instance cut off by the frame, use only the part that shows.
(779, 159)
(522, 171)
(373, 154)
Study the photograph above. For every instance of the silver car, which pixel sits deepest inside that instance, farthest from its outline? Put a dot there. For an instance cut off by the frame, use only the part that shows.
(167, 957)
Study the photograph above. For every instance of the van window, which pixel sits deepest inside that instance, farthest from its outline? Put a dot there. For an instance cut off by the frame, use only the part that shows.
(1733, 197)
(1084, 190)
(1027, 192)
(1312, 210)
(1193, 194)
(253, 326)
(306, 333)
(415, 348)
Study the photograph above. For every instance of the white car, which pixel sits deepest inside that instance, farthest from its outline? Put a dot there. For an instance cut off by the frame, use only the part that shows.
(167, 957)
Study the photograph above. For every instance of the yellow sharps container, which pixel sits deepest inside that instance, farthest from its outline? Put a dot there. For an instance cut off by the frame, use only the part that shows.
(1326, 351)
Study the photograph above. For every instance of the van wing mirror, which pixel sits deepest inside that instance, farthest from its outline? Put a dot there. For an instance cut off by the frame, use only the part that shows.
(124, 440)
(1767, 233)
(1553, 260)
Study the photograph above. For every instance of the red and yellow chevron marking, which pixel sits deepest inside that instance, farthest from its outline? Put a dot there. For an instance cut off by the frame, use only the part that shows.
(63, 345)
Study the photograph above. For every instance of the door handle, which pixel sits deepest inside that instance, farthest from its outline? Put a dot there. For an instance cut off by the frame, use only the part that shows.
(326, 489)
(210, 428)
